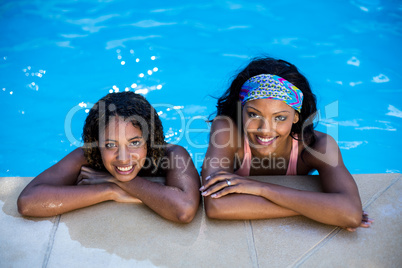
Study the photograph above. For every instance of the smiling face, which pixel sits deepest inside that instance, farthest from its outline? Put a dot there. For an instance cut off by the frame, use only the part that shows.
(123, 149)
(267, 124)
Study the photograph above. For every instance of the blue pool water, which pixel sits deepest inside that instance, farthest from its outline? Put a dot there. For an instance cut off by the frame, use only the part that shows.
(59, 57)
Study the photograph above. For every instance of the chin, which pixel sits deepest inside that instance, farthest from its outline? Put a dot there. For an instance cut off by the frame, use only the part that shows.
(125, 178)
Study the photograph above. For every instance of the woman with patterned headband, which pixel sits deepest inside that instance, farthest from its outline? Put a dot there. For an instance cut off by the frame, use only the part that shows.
(264, 126)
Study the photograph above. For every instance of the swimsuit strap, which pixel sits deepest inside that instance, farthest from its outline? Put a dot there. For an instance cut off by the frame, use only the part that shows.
(292, 167)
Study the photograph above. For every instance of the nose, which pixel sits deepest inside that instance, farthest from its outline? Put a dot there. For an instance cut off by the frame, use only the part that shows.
(264, 126)
(123, 154)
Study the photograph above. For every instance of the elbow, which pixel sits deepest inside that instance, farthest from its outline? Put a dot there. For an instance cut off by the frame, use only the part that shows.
(353, 216)
(27, 206)
(186, 212)
(211, 209)
(354, 220)
(23, 206)
(185, 217)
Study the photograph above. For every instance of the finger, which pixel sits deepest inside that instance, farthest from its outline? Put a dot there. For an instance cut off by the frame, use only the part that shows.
(216, 179)
(225, 191)
(83, 182)
(365, 224)
(228, 178)
(219, 172)
(215, 188)
(211, 179)
(84, 168)
(367, 219)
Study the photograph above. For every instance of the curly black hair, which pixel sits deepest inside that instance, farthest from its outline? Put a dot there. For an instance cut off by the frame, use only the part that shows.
(228, 103)
(130, 106)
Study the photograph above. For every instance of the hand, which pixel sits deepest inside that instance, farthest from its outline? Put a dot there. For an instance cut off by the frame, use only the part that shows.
(92, 176)
(222, 183)
(122, 196)
(366, 222)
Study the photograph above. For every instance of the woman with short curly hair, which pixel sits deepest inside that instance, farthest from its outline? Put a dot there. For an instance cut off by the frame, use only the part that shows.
(123, 142)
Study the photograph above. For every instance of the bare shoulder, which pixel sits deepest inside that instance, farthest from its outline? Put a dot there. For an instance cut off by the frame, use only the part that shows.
(78, 153)
(224, 132)
(174, 149)
(179, 168)
(75, 158)
(324, 141)
(325, 151)
(223, 122)
(64, 172)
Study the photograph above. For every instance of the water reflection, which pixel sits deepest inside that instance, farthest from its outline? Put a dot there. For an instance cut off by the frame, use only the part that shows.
(181, 53)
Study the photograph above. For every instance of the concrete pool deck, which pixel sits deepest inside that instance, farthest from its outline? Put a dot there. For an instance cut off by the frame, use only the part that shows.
(125, 235)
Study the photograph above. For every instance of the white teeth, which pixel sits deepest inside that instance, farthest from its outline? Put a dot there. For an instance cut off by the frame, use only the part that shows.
(265, 140)
(125, 168)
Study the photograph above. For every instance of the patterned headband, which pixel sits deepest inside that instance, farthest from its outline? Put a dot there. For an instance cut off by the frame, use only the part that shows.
(268, 86)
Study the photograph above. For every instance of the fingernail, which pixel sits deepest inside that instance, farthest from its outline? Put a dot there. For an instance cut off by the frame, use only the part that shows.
(207, 178)
(204, 193)
(202, 188)
(213, 196)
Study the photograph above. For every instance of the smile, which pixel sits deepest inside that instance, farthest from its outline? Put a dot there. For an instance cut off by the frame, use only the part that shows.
(124, 170)
(265, 140)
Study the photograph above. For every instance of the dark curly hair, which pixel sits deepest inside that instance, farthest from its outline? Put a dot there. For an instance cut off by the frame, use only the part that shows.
(228, 103)
(128, 105)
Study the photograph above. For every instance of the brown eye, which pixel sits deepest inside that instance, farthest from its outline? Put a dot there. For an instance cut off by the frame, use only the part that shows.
(280, 118)
(110, 145)
(252, 115)
(135, 143)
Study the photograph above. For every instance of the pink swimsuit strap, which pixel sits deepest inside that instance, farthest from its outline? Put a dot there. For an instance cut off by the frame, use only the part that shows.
(244, 169)
(292, 167)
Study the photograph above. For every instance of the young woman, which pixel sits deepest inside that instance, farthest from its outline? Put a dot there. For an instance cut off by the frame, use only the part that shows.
(123, 142)
(264, 127)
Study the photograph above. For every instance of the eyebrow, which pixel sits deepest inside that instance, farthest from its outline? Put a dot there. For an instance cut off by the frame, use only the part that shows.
(273, 113)
(253, 108)
(134, 138)
(281, 112)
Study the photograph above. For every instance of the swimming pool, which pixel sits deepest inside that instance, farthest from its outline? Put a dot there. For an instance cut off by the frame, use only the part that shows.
(59, 57)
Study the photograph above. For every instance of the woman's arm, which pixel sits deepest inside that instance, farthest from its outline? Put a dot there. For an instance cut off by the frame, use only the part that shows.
(179, 199)
(219, 159)
(339, 204)
(54, 191)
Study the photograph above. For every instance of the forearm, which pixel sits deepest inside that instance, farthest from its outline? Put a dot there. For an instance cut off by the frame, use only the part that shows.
(244, 207)
(170, 202)
(48, 200)
(329, 208)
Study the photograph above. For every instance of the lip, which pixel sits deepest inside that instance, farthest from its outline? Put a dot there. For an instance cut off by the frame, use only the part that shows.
(125, 172)
(259, 141)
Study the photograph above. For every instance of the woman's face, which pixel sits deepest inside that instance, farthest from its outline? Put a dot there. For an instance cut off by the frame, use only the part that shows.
(123, 149)
(268, 123)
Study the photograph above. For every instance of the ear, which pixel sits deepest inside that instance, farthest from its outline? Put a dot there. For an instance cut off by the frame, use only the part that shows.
(296, 118)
